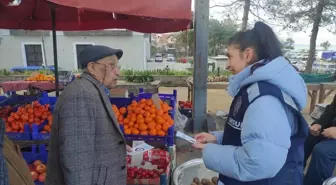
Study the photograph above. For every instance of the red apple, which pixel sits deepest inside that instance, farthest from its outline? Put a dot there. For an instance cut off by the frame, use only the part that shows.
(34, 175)
(41, 168)
(42, 177)
(37, 162)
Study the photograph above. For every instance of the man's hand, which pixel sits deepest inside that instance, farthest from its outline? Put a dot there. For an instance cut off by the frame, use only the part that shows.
(315, 129)
(329, 132)
(129, 149)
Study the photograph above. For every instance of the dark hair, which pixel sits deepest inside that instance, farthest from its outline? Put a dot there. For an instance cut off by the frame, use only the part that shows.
(261, 38)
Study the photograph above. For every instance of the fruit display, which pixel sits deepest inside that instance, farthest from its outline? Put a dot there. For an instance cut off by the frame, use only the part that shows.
(41, 77)
(144, 118)
(38, 171)
(185, 104)
(142, 173)
(204, 181)
(148, 169)
(29, 114)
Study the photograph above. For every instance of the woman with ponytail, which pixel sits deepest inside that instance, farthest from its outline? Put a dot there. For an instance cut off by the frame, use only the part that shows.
(263, 139)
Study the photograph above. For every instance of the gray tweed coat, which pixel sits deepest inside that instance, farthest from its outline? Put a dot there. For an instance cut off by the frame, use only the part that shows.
(86, 145)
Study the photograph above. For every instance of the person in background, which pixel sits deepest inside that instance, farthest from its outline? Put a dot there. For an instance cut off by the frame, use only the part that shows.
(87, 146)
(262, 143)
(321, 145)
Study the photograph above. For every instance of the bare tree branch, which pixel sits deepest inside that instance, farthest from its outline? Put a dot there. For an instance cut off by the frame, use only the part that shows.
(227, 5)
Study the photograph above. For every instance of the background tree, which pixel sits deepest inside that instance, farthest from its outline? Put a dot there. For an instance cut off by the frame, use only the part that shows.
(325, 45)
(232, 7)
(219, 34)
(300, 15)
(289, 44)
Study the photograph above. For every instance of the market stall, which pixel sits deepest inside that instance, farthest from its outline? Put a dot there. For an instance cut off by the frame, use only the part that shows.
(146, 117)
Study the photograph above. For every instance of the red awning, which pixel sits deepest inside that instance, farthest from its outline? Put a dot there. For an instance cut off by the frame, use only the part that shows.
(148, 16)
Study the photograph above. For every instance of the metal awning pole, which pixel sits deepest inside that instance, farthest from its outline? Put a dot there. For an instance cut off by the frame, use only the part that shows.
(201, 38)
(53, 22)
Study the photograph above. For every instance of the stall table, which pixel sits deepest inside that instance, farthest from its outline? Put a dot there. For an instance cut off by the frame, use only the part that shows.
(330, 87)
(313, 89)
(124, 87)
(31, 86)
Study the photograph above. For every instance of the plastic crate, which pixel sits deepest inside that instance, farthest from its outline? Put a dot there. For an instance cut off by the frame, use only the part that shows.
(14, 99)
(37, 153)
(25, 135)
(168, 140)
(161, 95)
(11, 98)
(36, 129)
(122, 102)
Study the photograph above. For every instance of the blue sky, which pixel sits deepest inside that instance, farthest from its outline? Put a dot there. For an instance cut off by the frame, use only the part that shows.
(300, 38)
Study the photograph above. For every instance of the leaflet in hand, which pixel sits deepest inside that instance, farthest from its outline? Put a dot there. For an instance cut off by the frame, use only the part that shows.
(185, 137)
(140, 149)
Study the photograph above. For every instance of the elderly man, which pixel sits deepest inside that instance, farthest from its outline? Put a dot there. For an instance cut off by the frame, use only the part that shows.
(321, 145)
(86, 145)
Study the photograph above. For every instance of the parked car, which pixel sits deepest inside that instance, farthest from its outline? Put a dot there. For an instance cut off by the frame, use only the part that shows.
(170, 57)
(158, 57)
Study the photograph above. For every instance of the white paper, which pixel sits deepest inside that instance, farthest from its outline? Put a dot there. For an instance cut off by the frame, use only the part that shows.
(185, 137)
(140, 149)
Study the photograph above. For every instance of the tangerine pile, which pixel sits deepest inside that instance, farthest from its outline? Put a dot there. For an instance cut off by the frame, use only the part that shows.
(144, 118)
(29, 114)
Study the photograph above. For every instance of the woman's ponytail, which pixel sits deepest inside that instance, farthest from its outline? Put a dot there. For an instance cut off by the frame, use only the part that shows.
(261, 38)
(270, 46)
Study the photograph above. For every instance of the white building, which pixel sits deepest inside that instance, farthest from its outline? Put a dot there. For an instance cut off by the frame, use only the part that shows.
(35, 48)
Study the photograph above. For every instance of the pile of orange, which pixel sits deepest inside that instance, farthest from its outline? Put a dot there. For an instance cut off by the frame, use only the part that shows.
(29, 114)
(144, 118)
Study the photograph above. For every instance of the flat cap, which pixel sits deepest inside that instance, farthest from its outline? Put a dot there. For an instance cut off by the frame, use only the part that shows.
(95, 53)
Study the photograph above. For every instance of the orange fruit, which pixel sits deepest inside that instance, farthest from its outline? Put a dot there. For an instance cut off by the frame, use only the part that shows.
(142, 105)
(140, 116)
(122, 110)
(127, 131)
(149, 102)
(159, 112)
(126, 120)
(147, 108)
(144, 133)
(140, 121)
(151, 125)
(131, 123)
(143, 127)
(147, 114)
(153, 111)
(137, 110)
(165, 127)
(160, 133)
(148, 120)
(136, 126)
(125, 126)
(143, 100)
(152, 132)
(158, 127)
(135, 131)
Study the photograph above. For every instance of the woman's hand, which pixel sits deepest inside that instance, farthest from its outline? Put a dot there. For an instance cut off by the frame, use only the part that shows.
(205, 138)
(329, 133)
(315, 129)
(202, 139)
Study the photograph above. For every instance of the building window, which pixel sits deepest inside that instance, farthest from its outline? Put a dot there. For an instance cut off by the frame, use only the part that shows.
(79, 49)
(34, 54)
